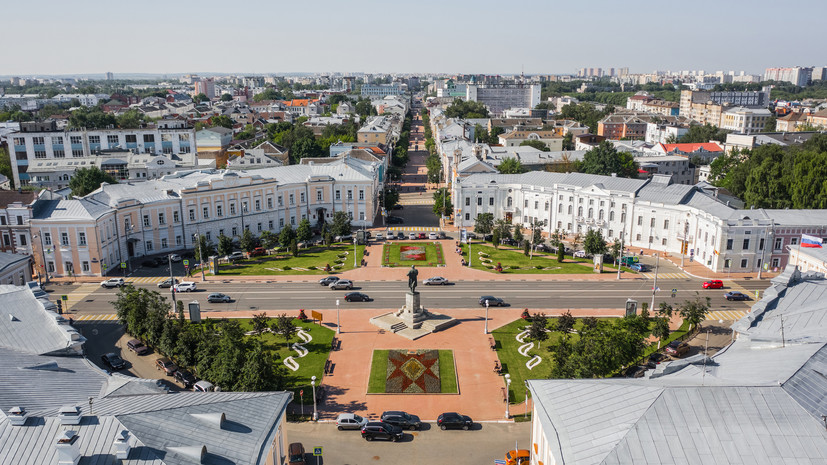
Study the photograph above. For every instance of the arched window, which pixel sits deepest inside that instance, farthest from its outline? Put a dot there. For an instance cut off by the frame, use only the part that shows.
(546, 208)
(560, 208)
(600, 214)
(579, 211)
(509, 202)
(591, 212)
(623, 217)
(569, 209)
(611, 216)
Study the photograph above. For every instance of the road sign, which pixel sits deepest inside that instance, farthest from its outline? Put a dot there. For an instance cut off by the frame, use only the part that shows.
(64, 297)
(123, 264)
(317, 451)
(105, 266)
(301, 392)
(674, 291)
(756, 294)
(186, 263)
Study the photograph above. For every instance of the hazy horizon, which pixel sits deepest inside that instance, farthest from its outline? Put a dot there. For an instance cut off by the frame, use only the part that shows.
(483, 37)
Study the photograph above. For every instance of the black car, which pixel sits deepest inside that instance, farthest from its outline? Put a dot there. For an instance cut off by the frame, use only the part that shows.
(400, 235)
(401, 419)
(149, 264)
(510, 242)
(185, 377)
(735, 295)
(454, 420)
(113, 361)
(492, 301)
(379, 430)
(397, 207)
(357, 297)
(328, 280)
(395, 220)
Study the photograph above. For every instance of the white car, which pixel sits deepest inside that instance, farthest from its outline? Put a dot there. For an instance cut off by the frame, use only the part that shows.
(175, 257)
(436, 281)
(580, 254)
(185, 286)
(113, 282)
(380, 237)
(236, 256)
(433, 236)
(342, 284)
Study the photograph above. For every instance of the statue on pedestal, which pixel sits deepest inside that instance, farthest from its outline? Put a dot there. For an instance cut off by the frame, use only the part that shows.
(412, 281)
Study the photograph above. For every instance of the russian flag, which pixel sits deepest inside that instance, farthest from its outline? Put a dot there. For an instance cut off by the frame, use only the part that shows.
(810, 241)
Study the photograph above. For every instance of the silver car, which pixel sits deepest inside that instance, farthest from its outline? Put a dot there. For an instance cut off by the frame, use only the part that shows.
(350, 421)
(435, 281)
(218, 297)
(342, 284)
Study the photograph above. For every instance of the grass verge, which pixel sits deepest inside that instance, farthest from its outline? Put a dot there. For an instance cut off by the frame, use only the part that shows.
(514, 261)
(311, 261)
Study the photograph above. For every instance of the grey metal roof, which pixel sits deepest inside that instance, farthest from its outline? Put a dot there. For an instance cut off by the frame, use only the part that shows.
(81, 209)
(8, 259)
(27, 327)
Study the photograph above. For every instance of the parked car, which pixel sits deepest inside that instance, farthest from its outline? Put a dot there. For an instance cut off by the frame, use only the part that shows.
(113, 361)
(113, 282)
(542, 248)
(237, 255)
(350, 421)
(203, 386)
(422, 235)
(137, 346)
(184, 377)
(401, 419)
(328, 280)
(517, 457)
(295, 454)
(395, 220)
(713, 284)
(167, 283)
(185, 286)
(397, 207)
(258, 251)
(166, 366)
(492, 301)
(454, 420)
(161, 261)
(442, 235)
(639, 267)
(342, 284)
(345, 238)
(436, 280)
(380, 237)
(735, 295)
(379, 430)
(677, 348)
(175, 258)
(508, 241)
(412, 236)
(357, 297)
(400, 235)
(217, 297)
(579, 254)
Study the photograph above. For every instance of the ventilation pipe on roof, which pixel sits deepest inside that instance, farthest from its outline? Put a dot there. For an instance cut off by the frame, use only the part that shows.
(69, 415)
(68, 452)
(18, 416)
(122, 446)
(193, 452)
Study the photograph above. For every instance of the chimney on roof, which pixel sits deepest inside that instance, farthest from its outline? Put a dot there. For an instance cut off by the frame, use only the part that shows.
(122, 446)
(68, 453)
(18, 416)
(69, 415)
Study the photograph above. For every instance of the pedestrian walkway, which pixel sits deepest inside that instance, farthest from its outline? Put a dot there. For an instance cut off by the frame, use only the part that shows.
(96, 317)
(666, 276)
(414, 228)
(726, 315)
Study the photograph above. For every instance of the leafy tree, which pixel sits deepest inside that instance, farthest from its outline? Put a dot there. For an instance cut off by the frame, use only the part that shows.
(268, 239)
(202, 245)
(576, 241)
(594, 243)
(434, 166)
(494, 135)
(537, 144)
(585, 113)
(284, 327)
(694, 311)
(260, 372)
(260, 322)
(568, 141)
(466, 109)
(303, 232)
(391, 198)
(602, 348)
(518, 234)
(703, 134)
(229, 359)
(614, 250)
(226, 98)
(87, 180)
(225, 245)
(248, 241)
(202, 97)
(660, 329)
(142, 312)
(328, 238)
(561, 255)
(510, 165)
(341, 224)
(526, 248)
(503, 227)
(364, 108)
(769, 126)
(223, 121)
(170, 334)
(305, 147)
(91, 118)
(131, 119)
(665, 310)
(565, 323)
(294, 248)
(442, 202)
(287, 235)
(495, 238)
(537, 329)
(606, 160)
(484, 223)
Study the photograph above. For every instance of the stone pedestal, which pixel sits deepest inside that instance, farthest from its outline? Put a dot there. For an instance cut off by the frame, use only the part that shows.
(413, 320)
(412, 313)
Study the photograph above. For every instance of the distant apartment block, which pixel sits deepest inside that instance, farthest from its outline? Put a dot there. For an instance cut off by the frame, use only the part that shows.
(501, 97)
(205, 86)
(381, 90)
(44, 141)
(706, 106)
(745, 120)
(795, 75)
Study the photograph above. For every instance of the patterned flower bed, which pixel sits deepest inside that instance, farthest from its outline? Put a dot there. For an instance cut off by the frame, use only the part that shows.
(414, 371)
(411, 253)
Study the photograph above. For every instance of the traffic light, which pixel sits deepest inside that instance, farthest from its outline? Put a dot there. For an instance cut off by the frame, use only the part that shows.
(59, 307)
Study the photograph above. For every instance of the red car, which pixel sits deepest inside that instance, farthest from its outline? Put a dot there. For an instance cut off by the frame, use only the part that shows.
(423, 236)
(258, 251)
(713, 284)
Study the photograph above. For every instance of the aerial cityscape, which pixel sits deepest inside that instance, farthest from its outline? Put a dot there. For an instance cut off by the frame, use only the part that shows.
(327, 245)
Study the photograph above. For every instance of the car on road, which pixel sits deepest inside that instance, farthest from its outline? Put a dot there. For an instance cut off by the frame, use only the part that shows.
(341, 284)
(397, 206)
(350, 421)
(149, 264)
(735, 295)
(412, 236)
(442, 235)
(295, 454)
(492, 301)
(579, 254)
(395, 220)
(639, 267)
(454, 420)
(113, 282)
(518, 457)
(184, 377)
(379, 430)
(217, 297)
(237, 255)
(713, 284)
(166, 366)
(137, 346)
(542, 248)
(113, 361)
(435, 281)
(422, 235)
(258, 251)
(328, 280)
(185, 286)
(175, 258)
(401, 419)
(677, 348)
(357, 297)
(380, 237)
(167, 283)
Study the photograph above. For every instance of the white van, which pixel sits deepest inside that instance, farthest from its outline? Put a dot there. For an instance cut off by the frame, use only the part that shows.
(203, 386)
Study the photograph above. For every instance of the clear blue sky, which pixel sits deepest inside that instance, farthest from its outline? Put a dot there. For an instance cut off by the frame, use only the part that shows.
(482, 36)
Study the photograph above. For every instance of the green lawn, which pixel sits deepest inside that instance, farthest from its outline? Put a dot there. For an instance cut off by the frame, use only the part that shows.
(310, 261)
(309, 365)
(514, 261)
(379, 372)
(434, 255)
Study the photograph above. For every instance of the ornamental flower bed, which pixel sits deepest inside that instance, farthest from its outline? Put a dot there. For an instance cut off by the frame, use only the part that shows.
(413, 372)
(412, 253)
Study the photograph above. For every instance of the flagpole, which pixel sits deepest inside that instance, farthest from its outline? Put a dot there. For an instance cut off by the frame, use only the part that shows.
(798, 252)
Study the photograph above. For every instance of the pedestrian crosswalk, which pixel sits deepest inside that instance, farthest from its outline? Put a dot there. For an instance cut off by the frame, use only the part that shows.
(666, 276)
(146, 280)
(414, 228)
(417, 202)
(96, 317)
(726, 315)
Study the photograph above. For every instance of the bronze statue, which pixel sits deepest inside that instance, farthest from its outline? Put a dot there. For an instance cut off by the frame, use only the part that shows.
(412, 274)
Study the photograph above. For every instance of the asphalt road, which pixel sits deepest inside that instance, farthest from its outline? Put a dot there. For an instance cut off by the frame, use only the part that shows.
(486, 443)
(463, 294)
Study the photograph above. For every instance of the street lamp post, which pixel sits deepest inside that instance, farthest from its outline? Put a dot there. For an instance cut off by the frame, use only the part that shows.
(338, 324)
(507, 385)
(486, 316)
(313, 385)
(171, 280)
(620, 258)
(767, 243)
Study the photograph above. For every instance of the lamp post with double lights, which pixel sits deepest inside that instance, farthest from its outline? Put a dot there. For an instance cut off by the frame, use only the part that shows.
(486, 317)
(507, 386)
(313, 385)
(338, 324)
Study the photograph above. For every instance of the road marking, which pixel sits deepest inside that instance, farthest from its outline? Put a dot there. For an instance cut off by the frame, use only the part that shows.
(413, 228)
(96, 317)
(146, 280)
(726, 315)
(666, 276)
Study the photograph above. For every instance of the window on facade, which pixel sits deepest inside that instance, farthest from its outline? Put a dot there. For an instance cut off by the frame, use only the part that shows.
(68, 267)
(23, 240)
(293, 219)
(146, 221)
(75, 139)
(149, 246)
(176, 217)
(746, 244)
(178, 240)
(232, 209)
(219, 210)
(281, 223)
(479, 201)
(206, 212)
(663, 242)
(259, 227)
(794, 241)
(744, 262)
(258, 205)
(164, 243)
(579, 211)
(301, 197)
(94, 139)
(729, 244)
(269, 202)
(40, 154)
(192, 214)
(47, 239)
(85, 266)
(350, 194)
(560, 208)
(112, 140)
(640, 221)
(161, 219)
(776, 262)
(131, 139)
(149, 137)
(491, 201)
(591, 212)
(82, 238)
(467, 216)
(779, 241)
(208, 235)
(665, 224)
(64, 238)
(292, 199)
(338, 195)
(51, 266)
(570, 209)
(361, 194)
(652, 223)
(235, 231)
(319, 195)
(761, 244)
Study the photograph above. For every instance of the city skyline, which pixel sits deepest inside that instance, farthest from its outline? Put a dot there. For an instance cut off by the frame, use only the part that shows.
(478, 38)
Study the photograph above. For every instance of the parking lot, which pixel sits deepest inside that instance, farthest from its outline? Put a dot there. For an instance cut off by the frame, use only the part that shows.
(486, 443)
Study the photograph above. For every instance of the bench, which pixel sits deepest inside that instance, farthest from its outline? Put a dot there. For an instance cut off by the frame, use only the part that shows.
(333, 344)
(328, 367)
(504, 394)
(497, 367)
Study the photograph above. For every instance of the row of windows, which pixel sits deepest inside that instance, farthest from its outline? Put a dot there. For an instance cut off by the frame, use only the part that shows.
(111, 139)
